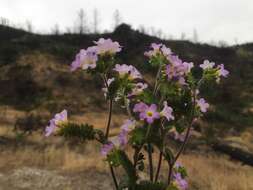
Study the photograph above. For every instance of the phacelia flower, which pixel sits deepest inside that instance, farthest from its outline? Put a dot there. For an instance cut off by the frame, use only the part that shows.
(158, 49)
(125, 129)
(207, 65)
(150, 114)
(166, 51)
(107, 46)
(222, 71)
(127, 70)
(167, 111)
(176, 70)
(140, 107)
(85, 59)
(138, 89)
(179, 182)
(203, 105)
(58, 120)
(128, 125)
(107, 148)
(179, 136)
(155, 50)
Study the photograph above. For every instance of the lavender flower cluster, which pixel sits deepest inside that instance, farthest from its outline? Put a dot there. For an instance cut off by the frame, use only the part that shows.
(147, 109)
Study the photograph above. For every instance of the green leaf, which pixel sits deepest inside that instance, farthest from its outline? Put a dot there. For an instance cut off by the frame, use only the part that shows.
(119, 158)
(81, 132)
(138, 136)
(168, 155)
(147, 185)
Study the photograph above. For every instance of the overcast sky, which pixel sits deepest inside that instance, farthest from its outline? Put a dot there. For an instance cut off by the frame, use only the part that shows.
(213, 19)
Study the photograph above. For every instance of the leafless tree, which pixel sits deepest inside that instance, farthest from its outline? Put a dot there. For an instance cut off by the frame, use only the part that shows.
(159, 33)
(82, 26)
(56, 29)
(117, 19)
(183, 36)
(4, 21)
(96, 21)
(142, 29)
(29, 26)
(68, 30)
(222, 44)
(195, 37)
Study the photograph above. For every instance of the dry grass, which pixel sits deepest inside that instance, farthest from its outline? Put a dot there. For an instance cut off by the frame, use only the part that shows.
(206, 172)
(211, 172)
(217, 173)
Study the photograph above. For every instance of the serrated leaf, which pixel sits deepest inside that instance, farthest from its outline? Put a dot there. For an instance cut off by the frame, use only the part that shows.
(81, 132)
(168, 155)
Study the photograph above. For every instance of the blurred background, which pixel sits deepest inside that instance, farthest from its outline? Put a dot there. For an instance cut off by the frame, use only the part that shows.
(38, 42)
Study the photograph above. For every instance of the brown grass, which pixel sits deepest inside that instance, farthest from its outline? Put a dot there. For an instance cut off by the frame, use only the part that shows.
(207, 172)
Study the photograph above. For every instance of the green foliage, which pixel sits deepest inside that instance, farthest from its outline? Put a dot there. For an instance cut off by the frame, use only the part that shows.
(168, 155)
(172, 187)
(137, 137)
(147, 185)
(119, 158)
(29, 123)
(80, 132)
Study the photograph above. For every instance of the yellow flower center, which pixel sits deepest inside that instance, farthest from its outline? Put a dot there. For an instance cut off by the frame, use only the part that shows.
(149, 113)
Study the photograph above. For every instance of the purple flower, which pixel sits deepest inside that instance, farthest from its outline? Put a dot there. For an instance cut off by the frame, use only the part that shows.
(122, 137)
(58, 120)
(150, 114)
(76, 63)
(207, 65)
(107, 148)
(157, 49)
(222, 71)
(138, 89)
(51, 128)
(127, 70)
(167, 111)
(128, 125)
(176, 70)
(203, 105)
(140, 107)
(179, 181)
(85, 59)
(178, 136)
(178, 165)
(105, 46)
(125, 129)
(166, 51)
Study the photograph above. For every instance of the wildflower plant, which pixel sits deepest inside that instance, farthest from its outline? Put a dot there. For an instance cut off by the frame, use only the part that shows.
(157, 112)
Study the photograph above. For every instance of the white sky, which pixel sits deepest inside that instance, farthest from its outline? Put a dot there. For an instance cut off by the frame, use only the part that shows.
(213, 19)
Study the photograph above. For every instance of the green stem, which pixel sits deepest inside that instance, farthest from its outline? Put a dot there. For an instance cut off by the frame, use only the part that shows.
(150, 162)
(170, 173)
(107, 130)
(159, 166)
(109, 119)
(186, 137)
(114, 178)
(162, 133)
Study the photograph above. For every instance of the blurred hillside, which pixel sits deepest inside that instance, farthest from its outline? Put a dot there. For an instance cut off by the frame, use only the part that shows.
(35, 74)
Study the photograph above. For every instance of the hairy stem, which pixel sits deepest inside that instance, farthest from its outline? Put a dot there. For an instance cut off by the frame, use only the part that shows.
(114, 178)
(156, 79)
(150, 159)
(181, 149)
(159, 166)
(107, 130)
(109, 120)
(170, 173)
(162, 133)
